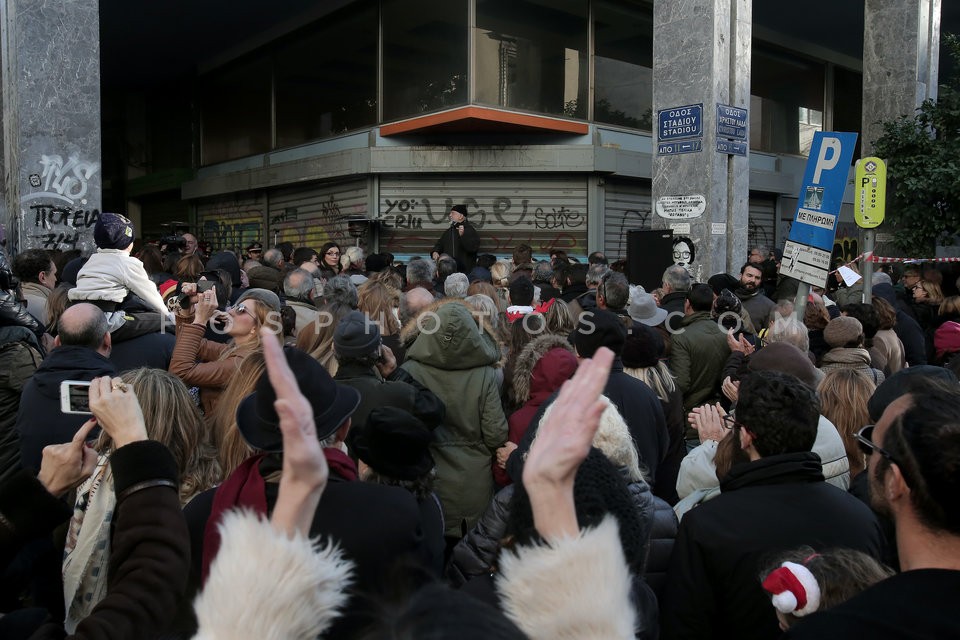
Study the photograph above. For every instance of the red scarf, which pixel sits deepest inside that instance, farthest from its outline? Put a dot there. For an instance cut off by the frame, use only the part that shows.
(246, 488)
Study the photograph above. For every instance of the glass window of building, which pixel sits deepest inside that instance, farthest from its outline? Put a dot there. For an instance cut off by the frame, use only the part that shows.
(848, 102)
(235, 110)
(786, 105)
(623, 64)
(424, 56)
(532, 55)
(326, 79)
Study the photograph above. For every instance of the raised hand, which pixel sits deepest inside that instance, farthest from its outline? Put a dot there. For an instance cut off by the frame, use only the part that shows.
(562, 443)
(117, 411)
(305, 469)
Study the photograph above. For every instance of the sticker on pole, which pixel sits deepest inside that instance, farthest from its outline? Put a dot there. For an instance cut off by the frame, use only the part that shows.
(870, 185)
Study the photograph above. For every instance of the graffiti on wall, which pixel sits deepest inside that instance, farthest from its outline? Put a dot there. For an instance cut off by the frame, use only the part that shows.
(54, 211)
(327, 223)
(508, 221)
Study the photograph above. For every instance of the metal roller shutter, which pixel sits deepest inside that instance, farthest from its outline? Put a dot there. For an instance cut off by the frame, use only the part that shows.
(309, 217)
(626, 206)
(232, 222)
(762, 220)
(542, 211)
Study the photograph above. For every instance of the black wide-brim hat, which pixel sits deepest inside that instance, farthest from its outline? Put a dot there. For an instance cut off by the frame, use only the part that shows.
(332, 403)
(394, 443)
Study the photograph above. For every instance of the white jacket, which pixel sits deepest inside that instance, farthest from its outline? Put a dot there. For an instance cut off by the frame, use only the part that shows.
(110, 274)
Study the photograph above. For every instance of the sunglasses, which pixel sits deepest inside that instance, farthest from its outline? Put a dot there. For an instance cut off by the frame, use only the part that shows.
(867, 447)
(241, 308)
(729, 422)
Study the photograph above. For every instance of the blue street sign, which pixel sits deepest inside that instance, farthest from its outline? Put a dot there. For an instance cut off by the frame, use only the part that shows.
(821, 193)
(731, 147)
(680, 146)
(680, 122)
(732, 122)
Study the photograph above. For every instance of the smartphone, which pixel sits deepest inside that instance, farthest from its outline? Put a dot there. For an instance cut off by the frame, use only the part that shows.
(205, 285)
(75, 397)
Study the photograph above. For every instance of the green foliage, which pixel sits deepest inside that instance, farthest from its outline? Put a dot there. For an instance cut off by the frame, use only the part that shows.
(923, 168)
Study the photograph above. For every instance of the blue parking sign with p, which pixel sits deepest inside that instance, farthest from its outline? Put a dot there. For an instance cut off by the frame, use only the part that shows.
(824, 182)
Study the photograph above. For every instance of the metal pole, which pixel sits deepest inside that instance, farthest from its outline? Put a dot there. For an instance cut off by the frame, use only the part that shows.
(869, 238)
(800, 302)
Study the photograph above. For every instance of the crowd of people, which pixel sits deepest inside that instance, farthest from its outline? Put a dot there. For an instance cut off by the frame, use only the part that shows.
(288, 442)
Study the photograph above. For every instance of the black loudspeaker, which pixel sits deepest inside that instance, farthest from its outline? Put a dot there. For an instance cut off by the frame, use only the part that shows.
(649, 253)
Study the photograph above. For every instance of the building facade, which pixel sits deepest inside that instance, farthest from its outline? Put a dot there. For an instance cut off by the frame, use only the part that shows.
(363, 121)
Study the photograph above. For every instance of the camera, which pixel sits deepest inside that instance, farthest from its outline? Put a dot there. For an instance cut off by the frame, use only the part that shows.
(173, 243)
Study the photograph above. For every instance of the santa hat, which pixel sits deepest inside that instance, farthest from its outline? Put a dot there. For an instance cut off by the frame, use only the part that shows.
(794, 589)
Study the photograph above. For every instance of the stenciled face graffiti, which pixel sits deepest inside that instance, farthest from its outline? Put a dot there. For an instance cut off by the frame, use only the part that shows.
(684, 252)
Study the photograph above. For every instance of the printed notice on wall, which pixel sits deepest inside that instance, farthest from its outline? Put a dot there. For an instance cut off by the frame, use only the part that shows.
(680, 228)
(681, 207)
(718, 228)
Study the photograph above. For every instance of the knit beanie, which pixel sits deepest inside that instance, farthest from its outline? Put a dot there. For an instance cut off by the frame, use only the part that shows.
(643, 347)
(842, 331)
(598, 489)
(356, 336)
(113, 231)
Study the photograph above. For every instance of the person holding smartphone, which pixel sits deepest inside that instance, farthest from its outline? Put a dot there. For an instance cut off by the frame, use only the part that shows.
(210, 365)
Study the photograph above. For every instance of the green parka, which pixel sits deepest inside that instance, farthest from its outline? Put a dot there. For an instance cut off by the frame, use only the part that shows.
(455, 358)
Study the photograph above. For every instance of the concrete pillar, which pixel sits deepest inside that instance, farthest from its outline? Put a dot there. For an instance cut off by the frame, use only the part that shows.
(901, 55)
(701, 54)
(50, 86)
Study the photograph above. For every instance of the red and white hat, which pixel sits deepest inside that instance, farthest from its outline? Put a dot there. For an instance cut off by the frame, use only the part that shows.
(793, 589)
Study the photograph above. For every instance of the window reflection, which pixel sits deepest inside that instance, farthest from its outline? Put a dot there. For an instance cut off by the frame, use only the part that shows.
(786, 105)
(623, 65)
(326, 79)
(235, 110)
(424, 56)
(532, 55)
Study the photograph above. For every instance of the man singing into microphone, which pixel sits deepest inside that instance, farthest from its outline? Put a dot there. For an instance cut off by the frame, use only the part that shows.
(460, 241)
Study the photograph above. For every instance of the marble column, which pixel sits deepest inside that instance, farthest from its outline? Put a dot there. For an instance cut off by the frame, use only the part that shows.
(50, 86)
(701, 54)
(901, 54)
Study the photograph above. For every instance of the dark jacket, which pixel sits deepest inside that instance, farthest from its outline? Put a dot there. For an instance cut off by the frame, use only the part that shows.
(676, 420)
(385, 530)
(697, 358)
(152, 350)
(229, 263)
(400, 390)
(19, 359)
(663, 535)
(641, 410)
(15, 314)
(673, 302)
(758, 305)
(766, 506)
(149, 547)
(39, 420)
(463, 248)
(906, 328)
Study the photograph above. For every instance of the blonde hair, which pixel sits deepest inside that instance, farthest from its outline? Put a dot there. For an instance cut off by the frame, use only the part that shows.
(933, 290)
(844, 394)
(560, 320)
(657, 377)
(317, 338)
(949, 305)
(172, 419)
(232, 449)
(378, 300)
(263, 314)
(614, 440)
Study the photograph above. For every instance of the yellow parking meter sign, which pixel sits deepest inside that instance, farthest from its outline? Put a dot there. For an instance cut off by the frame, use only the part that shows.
(871, 192)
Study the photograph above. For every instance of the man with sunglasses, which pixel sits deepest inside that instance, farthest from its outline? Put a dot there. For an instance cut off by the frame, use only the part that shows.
(773, 498)
(914, 473)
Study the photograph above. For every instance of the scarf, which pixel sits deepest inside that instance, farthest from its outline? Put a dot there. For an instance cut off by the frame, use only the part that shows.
(246, 488)
(86, 555)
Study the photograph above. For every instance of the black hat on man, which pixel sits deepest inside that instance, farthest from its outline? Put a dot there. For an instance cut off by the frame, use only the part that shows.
(356, 336)
(394, 443)
(332, 403)
(598, 328)
(459, 208)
